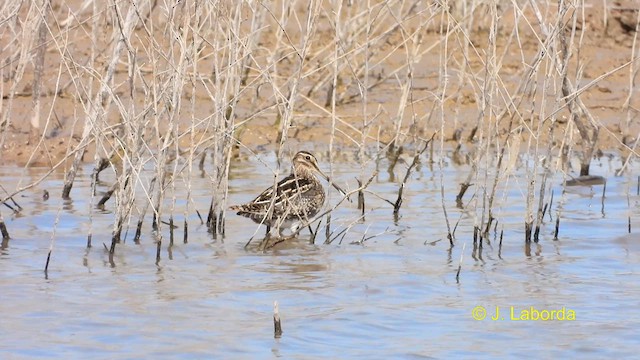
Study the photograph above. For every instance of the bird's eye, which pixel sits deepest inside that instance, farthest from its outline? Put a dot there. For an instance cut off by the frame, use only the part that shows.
(308, 157)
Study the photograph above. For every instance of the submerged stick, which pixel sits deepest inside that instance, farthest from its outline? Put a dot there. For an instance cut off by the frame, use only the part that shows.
(3, 229)
(53, 239)
(115, 238)
(10, 198)
(10, 207)
(551, 205)
(629, 210)
(277, 324)
(107, 195)
(395, 156)
(542, 207)
(604, 190)
(500, 244)
(398, 203)
(102, 164)
(460, 264)
(476, 230)
(312, 240)
(536, 233)
(201, 162)
(199, 217)
(158, 248)
(186, 231)
(463, 189)
(327, 229)
(136, 237)
(528, 227)
(360, 197)
(46, 265)
(171, 231)
(416, 159)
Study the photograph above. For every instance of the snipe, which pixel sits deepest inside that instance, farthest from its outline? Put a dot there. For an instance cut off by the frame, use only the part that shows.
(299, 197)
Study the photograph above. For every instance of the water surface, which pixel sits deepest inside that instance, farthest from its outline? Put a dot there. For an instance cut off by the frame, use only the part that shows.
(393, 295)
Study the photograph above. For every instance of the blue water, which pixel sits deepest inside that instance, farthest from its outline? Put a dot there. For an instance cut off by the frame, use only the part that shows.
(394, 295)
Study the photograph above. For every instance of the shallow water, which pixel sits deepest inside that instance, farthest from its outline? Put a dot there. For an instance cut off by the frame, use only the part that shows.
(393, 295)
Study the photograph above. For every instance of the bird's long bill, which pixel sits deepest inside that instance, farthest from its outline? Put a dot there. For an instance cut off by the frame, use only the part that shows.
(331, 182)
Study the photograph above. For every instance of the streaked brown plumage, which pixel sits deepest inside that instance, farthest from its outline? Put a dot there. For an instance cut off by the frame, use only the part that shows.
(299, 197)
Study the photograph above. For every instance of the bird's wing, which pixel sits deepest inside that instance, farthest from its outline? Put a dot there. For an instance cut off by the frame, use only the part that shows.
(284, 190)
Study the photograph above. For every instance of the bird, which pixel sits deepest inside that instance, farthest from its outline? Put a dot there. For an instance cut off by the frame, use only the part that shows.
(298, 197)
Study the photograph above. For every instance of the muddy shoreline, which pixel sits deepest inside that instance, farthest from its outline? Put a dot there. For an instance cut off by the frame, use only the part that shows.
(600, 66)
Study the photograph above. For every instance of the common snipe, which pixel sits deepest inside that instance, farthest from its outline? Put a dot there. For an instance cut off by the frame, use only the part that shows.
(299, 197)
